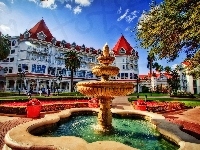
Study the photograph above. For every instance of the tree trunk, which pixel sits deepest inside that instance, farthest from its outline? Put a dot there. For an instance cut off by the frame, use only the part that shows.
(72, 80)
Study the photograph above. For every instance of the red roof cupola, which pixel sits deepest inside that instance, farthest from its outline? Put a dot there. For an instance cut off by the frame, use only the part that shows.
(41, 32)
(122, 47)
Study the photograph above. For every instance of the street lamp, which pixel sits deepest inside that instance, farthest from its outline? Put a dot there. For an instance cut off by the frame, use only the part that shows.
(58, 80)
(21, 75)
(138, 80)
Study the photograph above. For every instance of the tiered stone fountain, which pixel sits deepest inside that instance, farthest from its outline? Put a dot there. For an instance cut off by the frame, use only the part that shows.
(105, 90)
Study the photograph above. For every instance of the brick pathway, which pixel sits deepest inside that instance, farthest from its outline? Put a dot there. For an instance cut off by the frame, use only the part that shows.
(5, 126)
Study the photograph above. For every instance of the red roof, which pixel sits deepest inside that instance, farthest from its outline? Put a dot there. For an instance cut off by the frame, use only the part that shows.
(122, 43)
(39, 27)
(186, 63)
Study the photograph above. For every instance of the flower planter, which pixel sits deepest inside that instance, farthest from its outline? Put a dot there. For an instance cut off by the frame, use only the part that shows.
(33, 111)
(33, 108)
(141, 107)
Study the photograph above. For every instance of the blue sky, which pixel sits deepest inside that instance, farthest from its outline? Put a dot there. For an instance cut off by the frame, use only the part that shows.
(89, 22)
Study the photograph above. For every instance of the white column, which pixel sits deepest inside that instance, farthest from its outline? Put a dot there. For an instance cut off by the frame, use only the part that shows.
(190, 84)
(37, 86)
(15, 84)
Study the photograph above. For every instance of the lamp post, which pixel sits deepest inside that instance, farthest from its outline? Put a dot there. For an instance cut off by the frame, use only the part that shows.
(138, 80)
(58, 79)
(21, 75)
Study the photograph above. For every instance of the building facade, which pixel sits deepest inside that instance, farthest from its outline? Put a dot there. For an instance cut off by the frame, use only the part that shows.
(187, 82)
(36, 61)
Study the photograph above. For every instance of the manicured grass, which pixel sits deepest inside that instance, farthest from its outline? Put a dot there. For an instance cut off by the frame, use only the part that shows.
(188, 101)
(149, 94)
(15, 98)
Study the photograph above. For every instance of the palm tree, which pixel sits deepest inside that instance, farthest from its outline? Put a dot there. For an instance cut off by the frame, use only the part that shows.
(156, 66)
(4, 46)
(167, 69)
(72, 63)
(150, 59)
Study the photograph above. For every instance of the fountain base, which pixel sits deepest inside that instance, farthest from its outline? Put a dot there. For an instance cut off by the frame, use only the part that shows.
(105, 114)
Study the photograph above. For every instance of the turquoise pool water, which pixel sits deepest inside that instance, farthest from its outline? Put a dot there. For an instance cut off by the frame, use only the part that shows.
(136, 133)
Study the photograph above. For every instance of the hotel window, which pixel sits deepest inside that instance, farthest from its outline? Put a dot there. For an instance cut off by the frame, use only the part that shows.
(14, 43)
(122, 51)
(12, 59)
(131, 75)
(10, 70)
(122, 75)
(123, 67)
(12, 51)
(126, 75)
(5, 69)
(194, 83)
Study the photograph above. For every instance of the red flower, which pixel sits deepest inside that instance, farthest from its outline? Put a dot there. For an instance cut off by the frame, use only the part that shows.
(33, 102)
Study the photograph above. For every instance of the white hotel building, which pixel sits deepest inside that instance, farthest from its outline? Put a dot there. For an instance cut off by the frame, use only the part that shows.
(40, 56)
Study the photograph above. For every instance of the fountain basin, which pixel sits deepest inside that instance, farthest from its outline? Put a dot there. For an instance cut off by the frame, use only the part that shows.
(25, 140)
(106, 60)
(105, 70)
(105, 89)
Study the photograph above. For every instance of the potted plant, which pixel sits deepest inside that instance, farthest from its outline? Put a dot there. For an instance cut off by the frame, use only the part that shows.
(33, 108)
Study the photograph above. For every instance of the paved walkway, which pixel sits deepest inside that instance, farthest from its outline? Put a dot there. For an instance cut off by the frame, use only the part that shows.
(190, 119)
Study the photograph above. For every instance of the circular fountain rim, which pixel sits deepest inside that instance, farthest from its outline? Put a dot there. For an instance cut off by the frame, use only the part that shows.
(106, 83)
(26, 140)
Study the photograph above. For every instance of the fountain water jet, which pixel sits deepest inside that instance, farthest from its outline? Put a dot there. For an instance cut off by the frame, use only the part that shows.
(105, 90)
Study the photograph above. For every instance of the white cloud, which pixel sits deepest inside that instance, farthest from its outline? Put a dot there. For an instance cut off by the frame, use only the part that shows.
(77, 10)
(128, 28)
(83, 2)
(129, 18)
(174, 66)
(4, 28)
(119, 10)
(48, 4)
(35, 1)
(123, 16)
(68, 6)
(2, 7)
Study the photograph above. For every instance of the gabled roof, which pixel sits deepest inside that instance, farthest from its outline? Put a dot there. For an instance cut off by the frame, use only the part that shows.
(122, 43)
(41, 27)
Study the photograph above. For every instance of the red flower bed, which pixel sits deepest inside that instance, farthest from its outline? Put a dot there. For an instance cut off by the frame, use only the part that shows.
(51, 105)
(155, 106)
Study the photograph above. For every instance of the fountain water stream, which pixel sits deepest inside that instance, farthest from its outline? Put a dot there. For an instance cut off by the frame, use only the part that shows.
(105, 90)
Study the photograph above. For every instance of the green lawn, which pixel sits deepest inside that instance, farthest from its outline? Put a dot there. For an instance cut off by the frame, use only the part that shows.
(149, 94)
(188, 101)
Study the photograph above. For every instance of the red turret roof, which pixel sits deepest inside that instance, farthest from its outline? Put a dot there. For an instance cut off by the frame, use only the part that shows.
(122, 43)
(39, 27)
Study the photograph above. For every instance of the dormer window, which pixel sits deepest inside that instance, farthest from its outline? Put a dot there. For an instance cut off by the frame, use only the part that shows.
(122, 51)
(83, 48)
(53, 41)
(99, 51)
(26, 34)
(91, 50)
(73, 44)
(63, 42)
(41, 35)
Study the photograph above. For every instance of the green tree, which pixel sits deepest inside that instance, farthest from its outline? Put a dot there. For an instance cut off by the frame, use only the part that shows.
(167, 69)
(150, 59)
(174, 81)
(4, 46)
(72, 63)
(170, 28)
